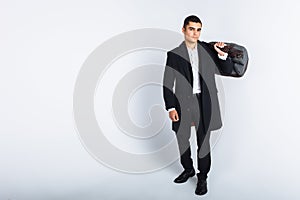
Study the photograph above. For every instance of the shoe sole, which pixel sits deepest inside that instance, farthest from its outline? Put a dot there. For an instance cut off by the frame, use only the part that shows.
(202, 193)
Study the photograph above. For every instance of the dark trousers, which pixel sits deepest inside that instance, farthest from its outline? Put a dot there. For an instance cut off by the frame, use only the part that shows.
(192, 114)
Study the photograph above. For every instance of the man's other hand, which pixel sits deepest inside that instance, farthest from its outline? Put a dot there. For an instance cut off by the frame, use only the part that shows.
(173, 115)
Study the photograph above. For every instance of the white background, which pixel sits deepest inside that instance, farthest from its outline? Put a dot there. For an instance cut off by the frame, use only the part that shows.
(42, 47)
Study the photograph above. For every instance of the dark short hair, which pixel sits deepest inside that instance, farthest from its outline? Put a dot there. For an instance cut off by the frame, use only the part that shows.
(191, 18)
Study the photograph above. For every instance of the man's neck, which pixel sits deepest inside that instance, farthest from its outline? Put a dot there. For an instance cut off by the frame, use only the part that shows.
(190, 45)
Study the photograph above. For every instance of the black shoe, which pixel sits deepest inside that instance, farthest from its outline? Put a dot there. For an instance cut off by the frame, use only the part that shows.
(184, 176)
(201, 188)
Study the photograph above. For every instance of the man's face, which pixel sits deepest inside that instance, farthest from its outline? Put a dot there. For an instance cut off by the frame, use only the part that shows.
(192, 32)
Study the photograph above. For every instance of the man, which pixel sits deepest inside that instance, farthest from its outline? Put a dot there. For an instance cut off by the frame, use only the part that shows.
(191, 67)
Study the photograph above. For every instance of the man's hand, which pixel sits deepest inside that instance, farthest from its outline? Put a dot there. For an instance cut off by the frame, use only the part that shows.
(221, 45)
(173, 115)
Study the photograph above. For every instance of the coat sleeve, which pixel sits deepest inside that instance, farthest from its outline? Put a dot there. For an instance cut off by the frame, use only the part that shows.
(224, 67)
(168, 82)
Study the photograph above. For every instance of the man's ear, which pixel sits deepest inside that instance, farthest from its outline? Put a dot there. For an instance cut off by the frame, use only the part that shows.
(183, 29)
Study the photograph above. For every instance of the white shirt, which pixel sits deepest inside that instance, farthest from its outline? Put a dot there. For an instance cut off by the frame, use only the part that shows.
(193, 55)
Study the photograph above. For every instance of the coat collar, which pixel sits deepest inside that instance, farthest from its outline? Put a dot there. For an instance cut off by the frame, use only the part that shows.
(183, 51)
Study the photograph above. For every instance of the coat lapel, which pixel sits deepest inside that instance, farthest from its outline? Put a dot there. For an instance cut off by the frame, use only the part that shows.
(188, 67)
(200, 53)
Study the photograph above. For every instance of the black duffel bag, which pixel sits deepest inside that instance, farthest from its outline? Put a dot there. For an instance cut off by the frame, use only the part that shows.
(239, 57)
